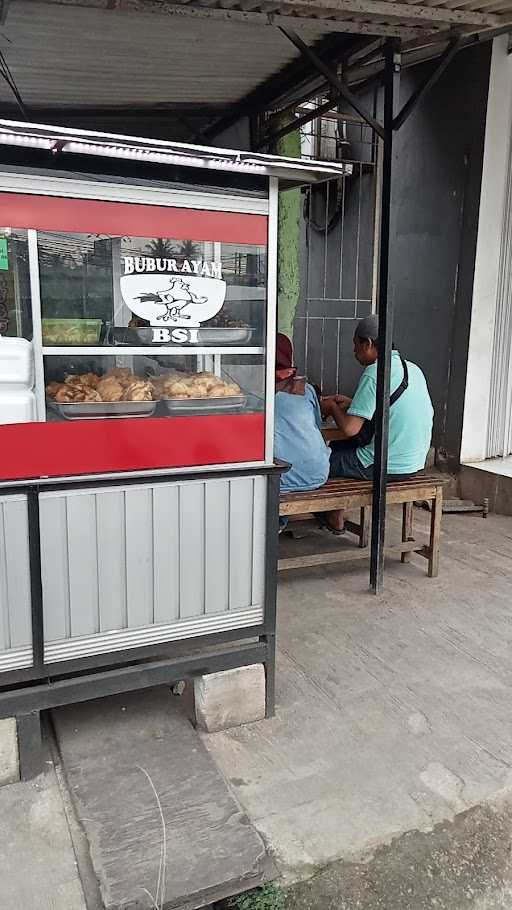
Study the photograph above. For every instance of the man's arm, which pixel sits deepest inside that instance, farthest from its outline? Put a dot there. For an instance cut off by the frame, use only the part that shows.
(349, 424)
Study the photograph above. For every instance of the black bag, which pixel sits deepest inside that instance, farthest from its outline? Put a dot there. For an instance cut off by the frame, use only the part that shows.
(367, 432)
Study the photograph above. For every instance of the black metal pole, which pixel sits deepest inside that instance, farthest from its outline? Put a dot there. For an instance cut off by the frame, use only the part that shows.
(385, 309)
(36, 585)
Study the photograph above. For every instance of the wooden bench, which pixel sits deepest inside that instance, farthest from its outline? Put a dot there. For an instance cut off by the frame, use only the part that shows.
(349, 495)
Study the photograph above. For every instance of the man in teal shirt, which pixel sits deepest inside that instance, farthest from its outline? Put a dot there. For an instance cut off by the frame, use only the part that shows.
(410, 416)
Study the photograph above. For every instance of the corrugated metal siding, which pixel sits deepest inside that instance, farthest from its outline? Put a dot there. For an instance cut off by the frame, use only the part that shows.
(138, 556)
(15, 602)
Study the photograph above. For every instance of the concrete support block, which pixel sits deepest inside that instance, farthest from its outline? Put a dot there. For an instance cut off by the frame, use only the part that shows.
(9, 759)
(230, 699)
(30, 746)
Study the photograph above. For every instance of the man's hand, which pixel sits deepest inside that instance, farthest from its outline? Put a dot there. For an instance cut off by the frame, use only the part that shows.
(336, 406)
(343, 401)
(328, 404)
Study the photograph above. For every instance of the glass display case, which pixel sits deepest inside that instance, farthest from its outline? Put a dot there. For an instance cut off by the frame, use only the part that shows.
(135, 313)
(150, 327)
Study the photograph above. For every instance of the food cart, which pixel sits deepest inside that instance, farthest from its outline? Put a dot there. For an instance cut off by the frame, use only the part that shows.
(138, 490)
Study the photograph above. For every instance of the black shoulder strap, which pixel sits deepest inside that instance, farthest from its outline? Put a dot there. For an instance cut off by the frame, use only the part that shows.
(403, 385)
(366, 434)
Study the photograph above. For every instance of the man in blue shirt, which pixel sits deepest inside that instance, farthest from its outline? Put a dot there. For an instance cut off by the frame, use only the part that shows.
(410, 416)
(298, 439)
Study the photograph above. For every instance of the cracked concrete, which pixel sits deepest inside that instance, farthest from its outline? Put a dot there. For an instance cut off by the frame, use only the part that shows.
(393, 713)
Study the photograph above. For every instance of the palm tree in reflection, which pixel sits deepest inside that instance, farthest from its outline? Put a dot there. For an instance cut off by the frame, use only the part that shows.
(162, 249)
(188, 250)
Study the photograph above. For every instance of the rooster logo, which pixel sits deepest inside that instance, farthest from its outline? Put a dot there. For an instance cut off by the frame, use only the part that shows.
(172, 299)
(176, 298)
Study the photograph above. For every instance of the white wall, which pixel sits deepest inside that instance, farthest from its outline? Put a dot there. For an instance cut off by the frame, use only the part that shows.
(494, 175)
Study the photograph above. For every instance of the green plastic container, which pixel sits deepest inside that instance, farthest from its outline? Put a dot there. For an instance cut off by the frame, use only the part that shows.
(71, 331)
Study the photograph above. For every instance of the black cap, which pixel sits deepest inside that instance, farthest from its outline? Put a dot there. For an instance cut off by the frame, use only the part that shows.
(368, 327)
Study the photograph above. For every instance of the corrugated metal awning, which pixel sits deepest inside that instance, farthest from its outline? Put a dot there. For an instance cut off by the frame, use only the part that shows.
(91, 54)
(291, 172)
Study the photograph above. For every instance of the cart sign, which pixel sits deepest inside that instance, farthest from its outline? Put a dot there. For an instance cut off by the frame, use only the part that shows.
(173, 296)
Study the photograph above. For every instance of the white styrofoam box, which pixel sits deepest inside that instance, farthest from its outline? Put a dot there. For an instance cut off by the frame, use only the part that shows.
(16, 363)
(17, 405)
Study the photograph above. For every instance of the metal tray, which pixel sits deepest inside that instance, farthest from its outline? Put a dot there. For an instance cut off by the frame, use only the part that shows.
(132, 336)
(204, 405)
(214, 335)
(88, 410)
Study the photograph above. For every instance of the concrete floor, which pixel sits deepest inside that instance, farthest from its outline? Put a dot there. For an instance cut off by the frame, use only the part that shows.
(393, 713)
(385, 780)
(37, 860)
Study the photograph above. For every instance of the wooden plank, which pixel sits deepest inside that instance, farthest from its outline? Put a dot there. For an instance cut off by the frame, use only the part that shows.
(360, 486)
(330, 502)
(407, 521)
(360, 529)
(352, 527)
(344, 555)
(364, 521)
(326, 504)
(435, 535)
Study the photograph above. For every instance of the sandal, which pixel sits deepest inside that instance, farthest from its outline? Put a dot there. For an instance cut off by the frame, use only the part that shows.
(325, 526)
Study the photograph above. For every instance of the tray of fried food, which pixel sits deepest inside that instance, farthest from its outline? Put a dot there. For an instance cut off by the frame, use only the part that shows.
(200, 393)
(117, 393)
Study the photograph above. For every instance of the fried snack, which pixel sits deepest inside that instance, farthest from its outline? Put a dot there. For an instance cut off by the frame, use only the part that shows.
(89, 379)
(109, 389)
(69, 393)
(217, 391)
(72, 379)
(199, 389)
(231, 388)
(122, 374)
(91, 394)
(177, 387)
(138, 390)
(52, 388)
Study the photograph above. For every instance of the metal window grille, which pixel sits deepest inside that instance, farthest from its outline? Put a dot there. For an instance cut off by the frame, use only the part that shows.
(338, 252)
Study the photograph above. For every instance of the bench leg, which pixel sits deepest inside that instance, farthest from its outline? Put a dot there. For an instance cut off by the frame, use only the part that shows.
(407, 519)
(364, 527)
(435, 533)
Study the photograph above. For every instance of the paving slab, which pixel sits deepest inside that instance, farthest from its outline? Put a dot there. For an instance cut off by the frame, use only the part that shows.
(37, 862)
(119, 754)
(393, 712)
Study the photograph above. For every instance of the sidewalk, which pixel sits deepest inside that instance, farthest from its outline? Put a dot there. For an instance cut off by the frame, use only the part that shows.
(37, 861)
(383, 783)
(393, 713)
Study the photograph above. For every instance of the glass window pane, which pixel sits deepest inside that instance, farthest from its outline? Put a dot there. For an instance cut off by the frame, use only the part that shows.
(159, 385)
(15, 310)
(97, 290)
